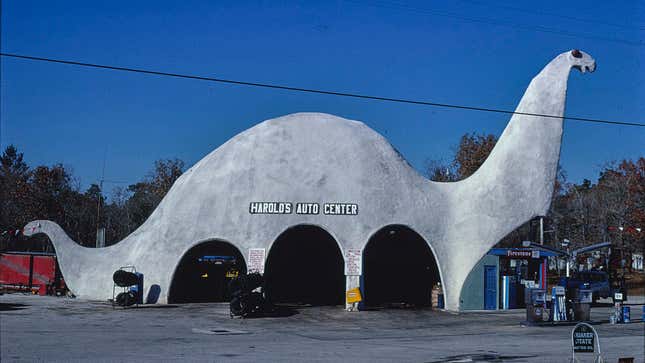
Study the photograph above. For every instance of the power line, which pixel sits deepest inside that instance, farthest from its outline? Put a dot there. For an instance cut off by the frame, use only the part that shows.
(555, 15)
(495, 22)
(310, 90)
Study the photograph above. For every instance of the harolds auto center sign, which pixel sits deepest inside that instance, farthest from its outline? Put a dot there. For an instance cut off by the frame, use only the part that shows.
(345, 209)
(257, 256)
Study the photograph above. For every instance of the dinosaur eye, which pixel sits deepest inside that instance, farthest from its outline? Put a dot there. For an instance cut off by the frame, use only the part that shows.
(576, 53)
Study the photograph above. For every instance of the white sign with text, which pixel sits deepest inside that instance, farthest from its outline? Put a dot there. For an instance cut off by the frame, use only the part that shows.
(256, 259)
(353, 262)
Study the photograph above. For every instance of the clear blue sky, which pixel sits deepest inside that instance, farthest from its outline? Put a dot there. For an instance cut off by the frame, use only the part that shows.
(463, 52)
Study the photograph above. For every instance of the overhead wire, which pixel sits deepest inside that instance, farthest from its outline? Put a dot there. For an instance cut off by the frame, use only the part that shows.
(495, 22)
(555, 15)
(315, 91)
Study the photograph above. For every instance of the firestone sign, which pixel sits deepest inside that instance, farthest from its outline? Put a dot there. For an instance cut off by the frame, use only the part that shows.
(344, 209)
(523, 254)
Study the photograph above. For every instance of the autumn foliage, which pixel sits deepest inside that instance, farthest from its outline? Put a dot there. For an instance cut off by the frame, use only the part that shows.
(610, 210)
(52, 193)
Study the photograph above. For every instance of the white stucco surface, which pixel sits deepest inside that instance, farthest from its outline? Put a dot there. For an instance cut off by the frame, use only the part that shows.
(315, 157)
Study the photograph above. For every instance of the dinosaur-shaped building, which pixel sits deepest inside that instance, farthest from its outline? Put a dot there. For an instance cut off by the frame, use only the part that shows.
(343, 178)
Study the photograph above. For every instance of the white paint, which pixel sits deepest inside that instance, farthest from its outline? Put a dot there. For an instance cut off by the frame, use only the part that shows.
(320, 158)
(353, 262)
(352, 282)
(257, 256)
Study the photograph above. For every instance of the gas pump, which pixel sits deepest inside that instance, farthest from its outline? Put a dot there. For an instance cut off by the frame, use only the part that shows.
(582, 304)
(535, 305)
(559, 300)
(616, 316)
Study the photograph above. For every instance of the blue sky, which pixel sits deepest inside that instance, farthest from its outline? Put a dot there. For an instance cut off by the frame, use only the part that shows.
(463, 52)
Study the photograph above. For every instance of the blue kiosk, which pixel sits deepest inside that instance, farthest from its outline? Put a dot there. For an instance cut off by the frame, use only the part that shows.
(499, 279)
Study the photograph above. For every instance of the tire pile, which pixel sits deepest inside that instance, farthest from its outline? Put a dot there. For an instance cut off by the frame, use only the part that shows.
(248, 296)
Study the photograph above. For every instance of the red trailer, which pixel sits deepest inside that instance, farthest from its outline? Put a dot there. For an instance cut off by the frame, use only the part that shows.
(34, 272)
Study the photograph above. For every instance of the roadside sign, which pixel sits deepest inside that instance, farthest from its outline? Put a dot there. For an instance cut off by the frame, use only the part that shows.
(584, 339)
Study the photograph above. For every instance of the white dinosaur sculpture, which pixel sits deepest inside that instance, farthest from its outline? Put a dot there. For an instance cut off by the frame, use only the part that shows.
(317, 157)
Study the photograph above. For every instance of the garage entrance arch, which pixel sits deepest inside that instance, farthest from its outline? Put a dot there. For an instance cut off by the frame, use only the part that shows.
(305, 266)
(204, 272)
(398, 268)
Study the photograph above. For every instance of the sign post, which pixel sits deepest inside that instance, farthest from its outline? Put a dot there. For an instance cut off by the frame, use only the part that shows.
(353, 271)
(584, 339)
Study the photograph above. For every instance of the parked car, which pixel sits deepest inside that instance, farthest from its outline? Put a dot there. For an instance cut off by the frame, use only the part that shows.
(596, 281)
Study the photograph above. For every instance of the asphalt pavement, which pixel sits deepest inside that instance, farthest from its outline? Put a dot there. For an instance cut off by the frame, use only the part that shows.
(36, 328)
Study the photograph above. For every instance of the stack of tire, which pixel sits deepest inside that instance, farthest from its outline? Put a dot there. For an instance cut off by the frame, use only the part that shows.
(247, 296)
(125, 279)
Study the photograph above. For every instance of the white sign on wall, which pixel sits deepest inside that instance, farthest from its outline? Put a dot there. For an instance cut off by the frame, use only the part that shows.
(256, 259)
(353, 262)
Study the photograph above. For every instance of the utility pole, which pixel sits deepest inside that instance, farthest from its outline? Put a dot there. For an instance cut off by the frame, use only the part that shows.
(100, 232)
(565, 243)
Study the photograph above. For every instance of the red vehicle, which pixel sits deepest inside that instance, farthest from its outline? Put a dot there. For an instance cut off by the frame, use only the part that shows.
(34, 272)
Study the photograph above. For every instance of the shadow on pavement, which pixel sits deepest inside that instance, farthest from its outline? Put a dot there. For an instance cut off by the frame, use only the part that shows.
(10, 307)
(277, 311)
(157, 306)
(482, 357)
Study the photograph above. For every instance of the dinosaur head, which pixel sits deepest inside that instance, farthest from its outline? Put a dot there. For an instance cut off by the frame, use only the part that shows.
(581, 61)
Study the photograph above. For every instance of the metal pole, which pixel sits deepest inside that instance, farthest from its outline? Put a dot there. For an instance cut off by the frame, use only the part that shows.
(98, 207)
(98, 214)
(568, 261)
(541, 230)
(31, 272)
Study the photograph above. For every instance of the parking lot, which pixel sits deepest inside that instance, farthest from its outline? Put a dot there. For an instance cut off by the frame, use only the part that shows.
(35, 328)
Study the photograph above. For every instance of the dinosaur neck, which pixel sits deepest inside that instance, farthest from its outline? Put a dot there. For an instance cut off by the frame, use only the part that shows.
(72, 257)
(546, 93)
(515, 183)
(519, 173)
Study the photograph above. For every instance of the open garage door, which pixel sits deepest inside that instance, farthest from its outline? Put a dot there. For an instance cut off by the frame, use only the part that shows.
(305, 266)
(398, 268)
(204, 272)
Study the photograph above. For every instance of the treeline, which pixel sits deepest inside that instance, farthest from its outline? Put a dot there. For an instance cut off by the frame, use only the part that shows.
(610, 210)
(52, 192)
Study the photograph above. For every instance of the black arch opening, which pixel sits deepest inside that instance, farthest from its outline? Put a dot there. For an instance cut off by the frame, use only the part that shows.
(204, 272)
(398, 268)
(305, 266)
